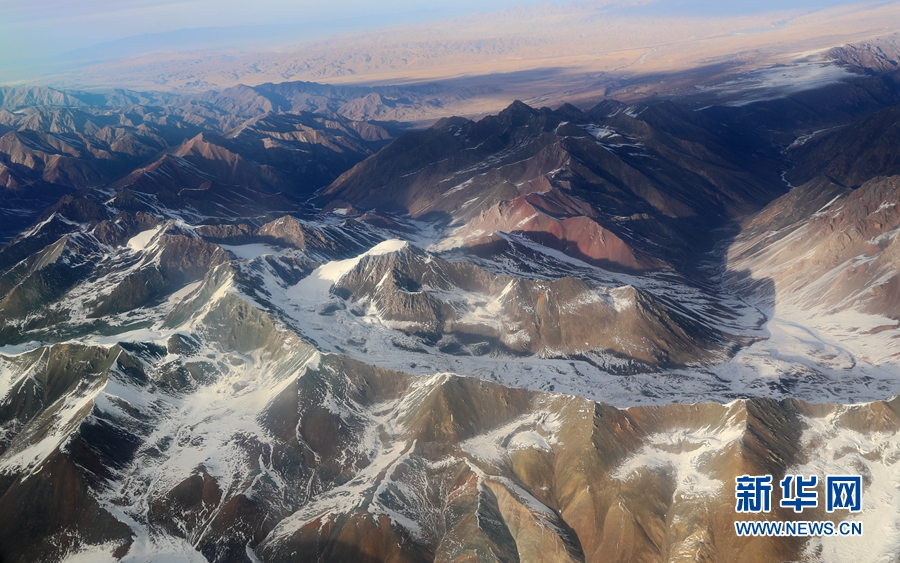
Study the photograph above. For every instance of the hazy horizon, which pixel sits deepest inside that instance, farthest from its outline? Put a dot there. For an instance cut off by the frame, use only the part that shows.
(47, 37)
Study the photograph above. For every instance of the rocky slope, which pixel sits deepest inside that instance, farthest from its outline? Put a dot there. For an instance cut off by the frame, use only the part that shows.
(880, 55)
(851, 154)
(494, 340)
(90, 267)
(193, 155)
(826, 252)
(467, 309)
(616, 186)
(222, 438)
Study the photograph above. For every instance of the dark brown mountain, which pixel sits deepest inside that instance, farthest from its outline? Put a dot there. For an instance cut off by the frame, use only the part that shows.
(54, 142)
(268, 163)
(613, 191)
(852, 154)
(52, 151)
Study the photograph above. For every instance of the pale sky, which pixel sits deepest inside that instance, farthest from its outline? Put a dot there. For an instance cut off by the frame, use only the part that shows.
(35, 33)
(51, 27)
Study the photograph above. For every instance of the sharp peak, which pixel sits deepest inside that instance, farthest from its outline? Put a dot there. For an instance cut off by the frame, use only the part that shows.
(447, 122)
(515, 114)
(286, 219)
(570, 112)
(518, 106)
(392, 246)
(202, 136)
(566, 106)
(607, 108)
(202, 140)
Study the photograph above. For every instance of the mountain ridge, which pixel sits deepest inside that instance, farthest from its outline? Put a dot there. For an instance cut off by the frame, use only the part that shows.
(269, 332)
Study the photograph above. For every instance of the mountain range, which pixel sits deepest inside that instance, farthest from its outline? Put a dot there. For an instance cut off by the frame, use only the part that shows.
(287, 322)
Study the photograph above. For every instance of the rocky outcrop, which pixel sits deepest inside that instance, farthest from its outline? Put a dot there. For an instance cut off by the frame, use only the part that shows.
(880, 55)
(422, 294)
(827, 252)
(569, 179)
(850, 155)
(825, 247)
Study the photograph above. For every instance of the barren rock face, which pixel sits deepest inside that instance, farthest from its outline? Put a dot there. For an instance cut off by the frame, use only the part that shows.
(839, 251)
(850, 154)
(545, 221)
(569, 179)
(419, 293)
(881, 55)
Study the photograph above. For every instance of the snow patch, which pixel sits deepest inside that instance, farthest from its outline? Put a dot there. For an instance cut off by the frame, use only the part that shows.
(875, 456)
(314, 288)
(684, 452)
(142, 240)
(600, 131)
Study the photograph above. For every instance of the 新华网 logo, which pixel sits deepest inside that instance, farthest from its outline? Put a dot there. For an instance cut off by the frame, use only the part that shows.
(753, 495)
